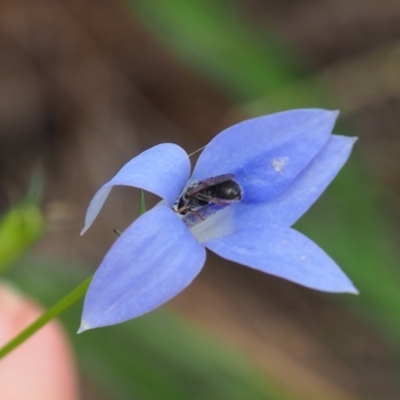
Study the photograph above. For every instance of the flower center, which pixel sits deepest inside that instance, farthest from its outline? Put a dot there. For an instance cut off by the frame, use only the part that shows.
(203, 206)
(219, 190)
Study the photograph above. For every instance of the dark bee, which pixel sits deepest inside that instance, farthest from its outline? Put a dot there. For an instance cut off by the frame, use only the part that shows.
(221, 189)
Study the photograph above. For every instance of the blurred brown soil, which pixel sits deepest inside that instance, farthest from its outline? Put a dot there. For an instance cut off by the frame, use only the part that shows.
(84, 87)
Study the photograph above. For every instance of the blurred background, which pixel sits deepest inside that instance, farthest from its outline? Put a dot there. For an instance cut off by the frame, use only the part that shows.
(87, 85)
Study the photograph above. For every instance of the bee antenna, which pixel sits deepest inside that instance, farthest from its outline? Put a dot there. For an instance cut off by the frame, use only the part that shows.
(201, 148)
(189, 155)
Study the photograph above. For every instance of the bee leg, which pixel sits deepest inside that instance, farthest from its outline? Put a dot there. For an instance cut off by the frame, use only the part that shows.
(219, 202)
(186, 208)
(196, 213)
(181, 210)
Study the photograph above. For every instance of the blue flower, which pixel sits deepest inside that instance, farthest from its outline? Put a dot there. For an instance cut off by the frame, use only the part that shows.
(277, 165)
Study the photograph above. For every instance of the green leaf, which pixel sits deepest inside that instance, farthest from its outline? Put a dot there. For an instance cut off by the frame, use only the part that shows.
(19, 229)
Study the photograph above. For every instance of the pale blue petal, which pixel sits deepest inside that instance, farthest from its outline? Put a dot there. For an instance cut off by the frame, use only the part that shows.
(292, 203)
(151, 262)
(162, 170)
(266, 153)
(285, 253)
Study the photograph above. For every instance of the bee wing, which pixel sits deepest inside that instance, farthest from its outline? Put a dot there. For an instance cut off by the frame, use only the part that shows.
(206, 183)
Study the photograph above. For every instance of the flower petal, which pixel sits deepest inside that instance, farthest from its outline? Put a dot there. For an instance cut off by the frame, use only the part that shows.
(292, 203)
(151, 262)
(162, 170)
(266, 153)
(286, 253)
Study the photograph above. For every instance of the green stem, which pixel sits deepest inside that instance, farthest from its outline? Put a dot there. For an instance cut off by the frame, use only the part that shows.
(47, 316)
(142, 203)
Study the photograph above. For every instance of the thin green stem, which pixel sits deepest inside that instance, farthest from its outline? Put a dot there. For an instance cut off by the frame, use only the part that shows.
(142, 203)
(47, 316)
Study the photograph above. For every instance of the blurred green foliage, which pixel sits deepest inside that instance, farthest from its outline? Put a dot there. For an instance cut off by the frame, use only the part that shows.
(210, 36)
